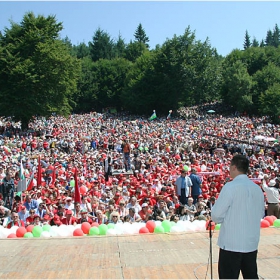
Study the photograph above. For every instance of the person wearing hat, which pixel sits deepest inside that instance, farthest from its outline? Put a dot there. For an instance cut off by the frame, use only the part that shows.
(69, 205)
(240, 232)
(69, 219)
(145, 212)
(84, 217)
(272, 194)
(183, 187)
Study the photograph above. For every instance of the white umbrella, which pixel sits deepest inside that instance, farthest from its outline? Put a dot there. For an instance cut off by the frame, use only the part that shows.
(259, 137)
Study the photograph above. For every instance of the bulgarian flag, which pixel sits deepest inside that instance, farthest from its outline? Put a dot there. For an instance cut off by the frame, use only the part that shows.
(21, 171)
(169, 115)
(30, 184)
(77, 189)
(153, 116)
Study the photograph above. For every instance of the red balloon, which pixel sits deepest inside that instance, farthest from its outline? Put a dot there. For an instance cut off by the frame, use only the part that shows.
(150, 225)
(94, 224)
(265, 224)
(21, 231)
(85, 227)
(83, 190)
(208, 226)
(78, 232)
(12, 235)
(29, 228)
(273, 217)
(143, 230)
(269, 219)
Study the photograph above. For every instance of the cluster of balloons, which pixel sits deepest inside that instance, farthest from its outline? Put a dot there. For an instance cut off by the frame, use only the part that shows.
(87, 229)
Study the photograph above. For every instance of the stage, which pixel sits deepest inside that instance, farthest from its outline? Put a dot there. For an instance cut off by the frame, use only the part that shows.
(143, 256)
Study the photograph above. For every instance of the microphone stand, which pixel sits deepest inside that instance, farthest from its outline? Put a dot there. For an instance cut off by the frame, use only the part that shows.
(210, 236)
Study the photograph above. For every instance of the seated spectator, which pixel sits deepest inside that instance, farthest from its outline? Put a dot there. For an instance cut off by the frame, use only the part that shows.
(84, 217)
(132, 216)
(182, 213)
(122, 210)
(134, 204)
(114, 218)
(158, 214)
(145, 213)
(109, 211)
(15, 221)
(69, 219)
(23, 214)
(4, 216)
(101, 218)
(30, 218)
(30, 203)
(190, 209)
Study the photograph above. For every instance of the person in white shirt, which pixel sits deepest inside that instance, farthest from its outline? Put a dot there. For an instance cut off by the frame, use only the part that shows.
(239, 209)
(272, 193)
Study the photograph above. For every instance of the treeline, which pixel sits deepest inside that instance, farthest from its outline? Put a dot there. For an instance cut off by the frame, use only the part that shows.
(41, 73)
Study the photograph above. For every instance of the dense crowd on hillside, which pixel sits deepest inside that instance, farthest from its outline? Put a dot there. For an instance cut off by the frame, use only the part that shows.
(127, 167)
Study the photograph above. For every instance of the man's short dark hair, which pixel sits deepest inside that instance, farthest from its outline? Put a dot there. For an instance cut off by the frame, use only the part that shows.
(241, 163)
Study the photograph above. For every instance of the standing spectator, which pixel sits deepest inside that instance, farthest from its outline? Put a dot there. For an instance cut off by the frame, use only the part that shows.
(7, 189)
(126, 154)
(240, 232)
(196, 185)
(272, 193)
(183, 187)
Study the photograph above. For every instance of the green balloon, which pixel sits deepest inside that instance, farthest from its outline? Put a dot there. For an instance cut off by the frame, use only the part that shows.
(103, 229)
(146, 148)
(166, 225)
(28, 235)
(37, 230)
(93, 231)
(159, 229)
(186, 168)
(46, 227)
(111, 226)
(141, 148)
(217, 227)
(276, 223)
(72, 183)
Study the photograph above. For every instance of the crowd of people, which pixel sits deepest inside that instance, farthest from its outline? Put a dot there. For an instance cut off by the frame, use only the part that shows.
(130, 169)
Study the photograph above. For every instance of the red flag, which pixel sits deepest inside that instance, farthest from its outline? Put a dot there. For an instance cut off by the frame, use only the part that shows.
(77, 189)
(53, 176)
(39, 173)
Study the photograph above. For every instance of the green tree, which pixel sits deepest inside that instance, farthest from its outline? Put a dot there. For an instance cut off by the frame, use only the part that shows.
(270, 102)
(81, 50)
(102, 46)
(120, 47)
(237, 86)
(247, 42)
(276, 36)
(255, 42)
(37, 73)
(269, 38)
(134, 50)
(140, 35)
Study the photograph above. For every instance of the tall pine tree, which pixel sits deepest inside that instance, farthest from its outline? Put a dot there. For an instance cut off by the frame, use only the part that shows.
(247, 42)
(140, 35)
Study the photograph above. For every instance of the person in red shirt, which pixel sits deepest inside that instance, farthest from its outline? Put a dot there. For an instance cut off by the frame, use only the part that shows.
(15, 221)
(84, 217)
(69, 219)
(145, 212)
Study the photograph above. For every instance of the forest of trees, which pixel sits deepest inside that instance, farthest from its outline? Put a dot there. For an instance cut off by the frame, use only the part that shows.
(42, 73)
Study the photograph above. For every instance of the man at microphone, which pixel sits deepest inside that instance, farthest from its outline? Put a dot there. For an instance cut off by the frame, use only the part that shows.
(239, 209)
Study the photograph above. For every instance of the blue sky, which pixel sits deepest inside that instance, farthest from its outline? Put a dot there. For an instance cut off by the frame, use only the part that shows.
(223, 22)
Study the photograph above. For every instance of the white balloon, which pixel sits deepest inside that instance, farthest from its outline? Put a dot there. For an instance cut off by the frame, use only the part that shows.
(111, 231)
(14, 229)
(45, 234)
(54, 231)
(6, 232)
(175, 229)
(158, 223)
